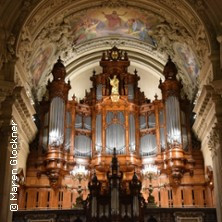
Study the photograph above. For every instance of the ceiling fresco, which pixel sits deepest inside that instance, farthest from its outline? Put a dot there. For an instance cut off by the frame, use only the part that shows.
(40, 62)
(187, 61)
(120, 22)
(154, 32)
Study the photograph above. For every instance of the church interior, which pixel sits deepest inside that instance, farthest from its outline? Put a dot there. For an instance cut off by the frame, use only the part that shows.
(111, 110)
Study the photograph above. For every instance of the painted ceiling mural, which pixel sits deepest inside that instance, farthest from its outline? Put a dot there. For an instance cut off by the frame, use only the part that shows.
(119, 22)
(187, 61)
(40, 62)
(68, 34)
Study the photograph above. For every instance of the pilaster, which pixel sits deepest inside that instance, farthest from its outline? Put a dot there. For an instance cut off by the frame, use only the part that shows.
(5, 167)
(208, 127)
(215, 146)
(17, 107)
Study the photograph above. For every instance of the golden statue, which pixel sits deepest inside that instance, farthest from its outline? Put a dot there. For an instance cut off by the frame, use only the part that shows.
(115, 89)
(115, 86)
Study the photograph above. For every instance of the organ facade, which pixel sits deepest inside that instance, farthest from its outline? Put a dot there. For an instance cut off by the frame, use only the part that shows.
(152, 139)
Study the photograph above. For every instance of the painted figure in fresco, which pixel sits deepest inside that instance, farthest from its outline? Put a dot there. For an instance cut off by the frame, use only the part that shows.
(85, 30)
(115, 85)
(116, 22)
(137, 28)
(188, 60)
(39, 63)
(113, 20)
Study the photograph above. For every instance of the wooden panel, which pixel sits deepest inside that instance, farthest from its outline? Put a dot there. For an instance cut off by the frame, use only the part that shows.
(198, 196)
(187, 195)
(31, 201)
(209, 197)
(66, 199)
(155, 194)
(177, 197)
(54, 199)
(21, 199)
(43, 198)
(164, 197)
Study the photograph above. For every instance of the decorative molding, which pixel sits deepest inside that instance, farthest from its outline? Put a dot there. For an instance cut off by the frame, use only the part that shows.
(189, 216)
(203, 99)
(24, 111)
(114, 3)
(208, 111)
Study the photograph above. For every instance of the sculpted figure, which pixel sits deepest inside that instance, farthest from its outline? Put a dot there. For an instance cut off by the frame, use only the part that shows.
(115, 85)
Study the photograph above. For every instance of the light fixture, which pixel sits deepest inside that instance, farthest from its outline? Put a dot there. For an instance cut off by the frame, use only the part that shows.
(80, 173)
(150, 171)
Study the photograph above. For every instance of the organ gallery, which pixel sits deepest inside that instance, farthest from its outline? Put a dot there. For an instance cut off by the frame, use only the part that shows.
(116, 155)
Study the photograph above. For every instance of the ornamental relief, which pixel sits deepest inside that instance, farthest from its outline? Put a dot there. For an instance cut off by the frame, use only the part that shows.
(7, 46)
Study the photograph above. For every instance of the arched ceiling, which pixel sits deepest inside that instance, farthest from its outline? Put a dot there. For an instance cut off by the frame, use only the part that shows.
(79, 31)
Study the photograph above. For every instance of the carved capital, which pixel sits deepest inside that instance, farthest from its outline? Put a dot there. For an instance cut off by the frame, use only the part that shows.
(214, 139)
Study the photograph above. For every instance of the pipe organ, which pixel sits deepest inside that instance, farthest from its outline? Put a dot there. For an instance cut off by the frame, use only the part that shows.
(144, 133)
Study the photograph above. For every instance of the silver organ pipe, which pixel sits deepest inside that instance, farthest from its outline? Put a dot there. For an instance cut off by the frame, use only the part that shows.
(98, 144)
(56, 123)
(173, 120)
(45, 132)
(132, 133)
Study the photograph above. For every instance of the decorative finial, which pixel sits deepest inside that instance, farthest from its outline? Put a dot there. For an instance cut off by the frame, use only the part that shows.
(135, 72)
(104, 56)
(94, 72)
(156, 96)
(125, 55)
(59, 60)
(169, 58)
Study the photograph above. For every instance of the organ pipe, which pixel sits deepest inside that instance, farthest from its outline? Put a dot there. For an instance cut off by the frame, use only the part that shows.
(56, 123)
(173, 124)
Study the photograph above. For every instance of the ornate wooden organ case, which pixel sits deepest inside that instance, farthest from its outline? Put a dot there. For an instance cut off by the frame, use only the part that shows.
(81, 135)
